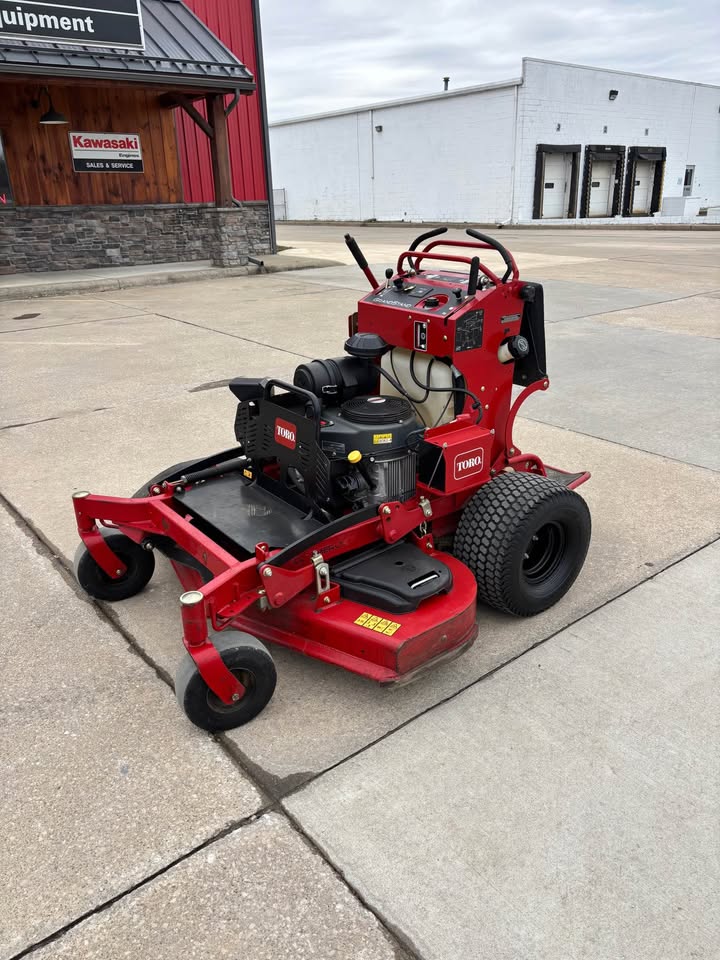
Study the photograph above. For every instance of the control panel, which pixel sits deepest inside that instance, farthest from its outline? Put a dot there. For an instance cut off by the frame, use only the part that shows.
(440, 297)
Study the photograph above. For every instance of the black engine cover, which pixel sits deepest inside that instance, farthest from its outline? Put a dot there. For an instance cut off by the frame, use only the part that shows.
(373, 425)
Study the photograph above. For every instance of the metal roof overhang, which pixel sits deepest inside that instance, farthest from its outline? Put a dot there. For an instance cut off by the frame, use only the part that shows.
(166, 80)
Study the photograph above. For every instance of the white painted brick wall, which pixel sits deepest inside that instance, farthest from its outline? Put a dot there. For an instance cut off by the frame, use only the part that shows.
(445, 160)
(440, 160)
(451, 158)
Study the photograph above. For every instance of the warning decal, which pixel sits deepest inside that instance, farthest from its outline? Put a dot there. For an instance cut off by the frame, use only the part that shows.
(382, 438)
(378, 624)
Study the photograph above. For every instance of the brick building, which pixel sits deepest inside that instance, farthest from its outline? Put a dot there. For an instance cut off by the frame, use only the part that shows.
(560, 142)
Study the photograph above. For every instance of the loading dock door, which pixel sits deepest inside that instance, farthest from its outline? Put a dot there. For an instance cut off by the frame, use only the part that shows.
(644, 181)
(602, 180)
(557, 168)
(644, 177)
(556, 181)
(600, 192)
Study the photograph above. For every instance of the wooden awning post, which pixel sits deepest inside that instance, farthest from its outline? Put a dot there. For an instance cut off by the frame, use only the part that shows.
(220, 150)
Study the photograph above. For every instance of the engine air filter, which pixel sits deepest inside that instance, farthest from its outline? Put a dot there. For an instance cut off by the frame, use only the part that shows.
(376, 409)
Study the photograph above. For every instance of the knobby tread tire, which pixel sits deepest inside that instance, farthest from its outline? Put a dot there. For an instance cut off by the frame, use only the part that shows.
(494, 530)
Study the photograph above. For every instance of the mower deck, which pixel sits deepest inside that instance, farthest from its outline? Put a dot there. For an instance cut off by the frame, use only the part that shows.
(384, 646)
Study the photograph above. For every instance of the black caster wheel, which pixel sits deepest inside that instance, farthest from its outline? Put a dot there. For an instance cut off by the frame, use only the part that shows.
(250, 661)
(140, 565)
(525, 538)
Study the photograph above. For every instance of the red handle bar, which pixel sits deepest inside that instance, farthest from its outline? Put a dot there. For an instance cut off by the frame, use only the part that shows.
(411, 255)
(477, 246)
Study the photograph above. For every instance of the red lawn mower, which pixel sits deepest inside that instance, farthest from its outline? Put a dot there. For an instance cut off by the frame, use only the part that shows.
(369, 503)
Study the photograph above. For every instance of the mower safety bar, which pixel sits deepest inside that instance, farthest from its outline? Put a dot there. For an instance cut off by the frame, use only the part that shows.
(496, 245)
(411, 255)
(426, 236)
(512, 266)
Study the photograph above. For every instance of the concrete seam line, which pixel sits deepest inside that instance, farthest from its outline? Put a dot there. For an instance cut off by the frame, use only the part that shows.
(496, 669)
(45, 548)
(74, 323)
(640, 306)
(235, 336)
(404, 947)
(106, 904)
(618, 443)
(278, 277)
(28, 423)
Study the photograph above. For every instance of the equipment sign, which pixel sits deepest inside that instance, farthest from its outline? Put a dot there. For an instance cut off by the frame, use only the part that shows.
(106, 152)
(104, 23)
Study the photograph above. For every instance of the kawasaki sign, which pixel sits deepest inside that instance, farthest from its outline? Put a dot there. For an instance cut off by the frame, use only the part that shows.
(106, 152)
(104, 23)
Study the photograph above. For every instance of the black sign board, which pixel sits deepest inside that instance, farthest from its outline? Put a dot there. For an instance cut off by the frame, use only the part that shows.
(103, 23)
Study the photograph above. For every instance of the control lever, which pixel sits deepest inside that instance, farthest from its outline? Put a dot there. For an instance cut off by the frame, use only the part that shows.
(388, 276)
(473, 278)
(360, 260)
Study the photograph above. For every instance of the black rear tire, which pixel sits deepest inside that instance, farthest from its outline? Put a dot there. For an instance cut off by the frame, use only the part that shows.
(140, 565)
(525, 538)
(250, 661)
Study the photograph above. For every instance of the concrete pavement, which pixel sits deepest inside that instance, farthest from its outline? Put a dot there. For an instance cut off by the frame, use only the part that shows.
(566, 806)
(102, 391)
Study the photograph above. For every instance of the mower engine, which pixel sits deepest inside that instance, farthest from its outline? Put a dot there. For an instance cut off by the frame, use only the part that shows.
(374, 436)
(366, 447)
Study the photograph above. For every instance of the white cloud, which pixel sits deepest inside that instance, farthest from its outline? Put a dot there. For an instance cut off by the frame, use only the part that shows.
(328, 54)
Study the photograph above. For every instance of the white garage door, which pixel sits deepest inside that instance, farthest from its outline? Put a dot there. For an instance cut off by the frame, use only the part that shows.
(556, 185)
(642, 195)
(602, 188)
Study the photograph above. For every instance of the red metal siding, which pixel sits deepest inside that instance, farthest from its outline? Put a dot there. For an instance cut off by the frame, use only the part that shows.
(232, 22)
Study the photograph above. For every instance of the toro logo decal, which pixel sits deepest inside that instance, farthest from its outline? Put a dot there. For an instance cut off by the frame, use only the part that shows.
(285, 433)
(468, 463)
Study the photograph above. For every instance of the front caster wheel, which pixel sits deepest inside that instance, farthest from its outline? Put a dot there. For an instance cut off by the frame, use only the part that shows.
(251, 663)
(140, 565)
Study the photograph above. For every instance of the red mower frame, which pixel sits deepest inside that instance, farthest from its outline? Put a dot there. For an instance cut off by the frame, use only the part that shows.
(287, 596)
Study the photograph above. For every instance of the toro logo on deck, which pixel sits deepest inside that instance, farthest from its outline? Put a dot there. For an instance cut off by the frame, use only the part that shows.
(468, 463)
(285, 433)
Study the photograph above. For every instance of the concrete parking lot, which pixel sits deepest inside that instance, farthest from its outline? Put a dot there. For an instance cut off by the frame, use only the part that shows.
(551, 794)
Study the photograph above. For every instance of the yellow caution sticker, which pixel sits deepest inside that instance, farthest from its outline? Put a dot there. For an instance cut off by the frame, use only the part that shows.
(378, 624)
(248, 474)
(382, 438)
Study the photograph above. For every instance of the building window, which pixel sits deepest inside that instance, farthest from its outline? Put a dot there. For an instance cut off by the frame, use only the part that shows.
(6, 197)
(688, 182)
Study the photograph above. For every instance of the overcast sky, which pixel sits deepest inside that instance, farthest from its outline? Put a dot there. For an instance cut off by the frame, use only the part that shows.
(328, 54)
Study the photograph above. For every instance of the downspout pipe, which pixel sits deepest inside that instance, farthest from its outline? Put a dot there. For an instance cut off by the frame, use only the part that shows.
(260, 71)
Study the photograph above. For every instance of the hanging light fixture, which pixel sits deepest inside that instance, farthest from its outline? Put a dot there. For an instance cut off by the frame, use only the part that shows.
(51, 115)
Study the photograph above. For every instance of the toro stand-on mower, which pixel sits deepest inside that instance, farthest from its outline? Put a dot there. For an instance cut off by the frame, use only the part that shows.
(369, 503)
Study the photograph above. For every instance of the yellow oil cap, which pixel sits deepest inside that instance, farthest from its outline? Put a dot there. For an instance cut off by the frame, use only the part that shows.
(354, 456)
